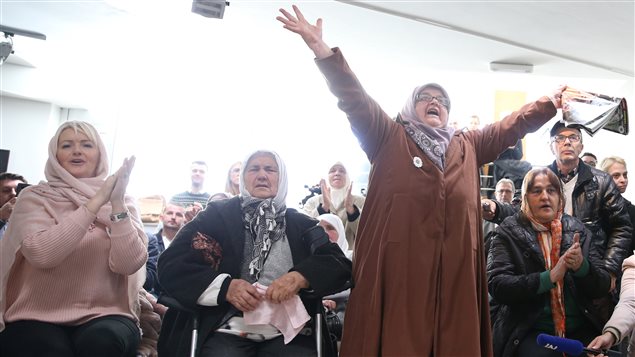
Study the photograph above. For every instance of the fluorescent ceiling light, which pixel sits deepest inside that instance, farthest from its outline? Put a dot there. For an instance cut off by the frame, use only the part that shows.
(511, 67)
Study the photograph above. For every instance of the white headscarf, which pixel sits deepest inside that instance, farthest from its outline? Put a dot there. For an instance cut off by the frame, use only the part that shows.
(336, 222)
(264, 218)
(283, 183)
(338, 195)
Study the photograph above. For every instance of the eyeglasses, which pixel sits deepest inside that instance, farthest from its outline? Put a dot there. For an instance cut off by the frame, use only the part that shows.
(573, 138)
(422, 97)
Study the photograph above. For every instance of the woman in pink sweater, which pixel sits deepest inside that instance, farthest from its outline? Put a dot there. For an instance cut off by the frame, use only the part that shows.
(72, 260)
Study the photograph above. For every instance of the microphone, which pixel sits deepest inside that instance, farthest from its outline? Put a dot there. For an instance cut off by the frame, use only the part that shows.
(565, 345)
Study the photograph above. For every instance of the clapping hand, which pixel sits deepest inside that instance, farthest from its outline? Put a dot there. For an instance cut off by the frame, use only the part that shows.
(326, 196)
(348, 200)
(113, 189)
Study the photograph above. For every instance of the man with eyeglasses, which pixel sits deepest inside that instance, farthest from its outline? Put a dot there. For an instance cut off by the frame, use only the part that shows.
(591, 196)
(504, 193)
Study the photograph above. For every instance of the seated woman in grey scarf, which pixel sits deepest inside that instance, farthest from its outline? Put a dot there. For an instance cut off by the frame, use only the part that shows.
(246, 255)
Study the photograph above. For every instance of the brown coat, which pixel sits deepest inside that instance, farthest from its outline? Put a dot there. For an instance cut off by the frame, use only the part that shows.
(419, 267)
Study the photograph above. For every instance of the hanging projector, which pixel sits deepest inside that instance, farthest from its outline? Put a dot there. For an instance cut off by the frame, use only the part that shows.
(6, 40)
(6, 48)
(214, 9)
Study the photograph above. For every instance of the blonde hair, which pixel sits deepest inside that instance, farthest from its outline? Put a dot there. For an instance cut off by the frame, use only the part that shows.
(229, 185)
(80, 127)
(610, 161)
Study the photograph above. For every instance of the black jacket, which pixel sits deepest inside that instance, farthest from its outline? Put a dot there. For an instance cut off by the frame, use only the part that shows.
(514, 264)
(631, 214)
(599, 205)
(184, 272)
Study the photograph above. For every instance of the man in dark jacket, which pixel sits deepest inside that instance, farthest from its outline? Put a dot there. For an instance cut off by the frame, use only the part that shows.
(172, 219)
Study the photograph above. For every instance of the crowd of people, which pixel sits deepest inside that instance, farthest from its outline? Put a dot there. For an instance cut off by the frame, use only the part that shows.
(423, 265)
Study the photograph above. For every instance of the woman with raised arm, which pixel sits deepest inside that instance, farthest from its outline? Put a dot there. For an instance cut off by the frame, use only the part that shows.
(73, 260)
(419, 272)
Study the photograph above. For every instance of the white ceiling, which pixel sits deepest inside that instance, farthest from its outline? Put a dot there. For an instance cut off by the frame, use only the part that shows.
(596, 33)
(91, 39)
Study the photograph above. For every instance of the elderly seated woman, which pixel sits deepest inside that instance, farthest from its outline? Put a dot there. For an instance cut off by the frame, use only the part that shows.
(242, 263)
(543, 271)
(72, 261)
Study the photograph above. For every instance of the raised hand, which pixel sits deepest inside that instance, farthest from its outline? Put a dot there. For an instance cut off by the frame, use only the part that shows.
(244, 296)
(348, 200)
(556, 96)
(311, 34)
(574, 254)
(113, 189)
(121, 183)
(326, 195)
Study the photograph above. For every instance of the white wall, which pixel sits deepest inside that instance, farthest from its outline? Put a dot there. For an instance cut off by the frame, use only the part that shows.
(25, 128)
(215, 91)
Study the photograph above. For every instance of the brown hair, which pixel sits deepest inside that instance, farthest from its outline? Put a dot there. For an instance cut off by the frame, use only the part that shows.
(528, 184)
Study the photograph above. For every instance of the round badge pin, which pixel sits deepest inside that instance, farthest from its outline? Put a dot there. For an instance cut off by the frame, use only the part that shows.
(417, 161)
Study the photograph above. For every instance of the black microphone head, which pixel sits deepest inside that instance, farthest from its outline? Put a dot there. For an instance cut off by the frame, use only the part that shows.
(560, 344)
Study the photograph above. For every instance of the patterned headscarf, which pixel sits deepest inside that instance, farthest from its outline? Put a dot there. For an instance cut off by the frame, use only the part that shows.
(432, 141)
(549, 237)
(264, 218)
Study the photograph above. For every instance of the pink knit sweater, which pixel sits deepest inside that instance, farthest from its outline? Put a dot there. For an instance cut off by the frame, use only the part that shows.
(69, 269)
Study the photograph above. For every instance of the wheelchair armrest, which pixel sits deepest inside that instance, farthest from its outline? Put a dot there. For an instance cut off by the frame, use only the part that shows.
(174, 303)
(310, 294)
